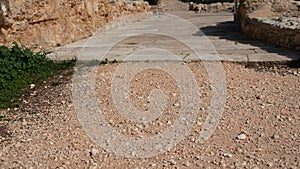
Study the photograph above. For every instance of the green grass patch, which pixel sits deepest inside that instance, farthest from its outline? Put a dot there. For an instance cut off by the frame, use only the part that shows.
(21, 66)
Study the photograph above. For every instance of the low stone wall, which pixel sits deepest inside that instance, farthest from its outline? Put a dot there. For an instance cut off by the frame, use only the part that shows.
(56, 22)
(212, 8)
(274, 21)
(274, 30)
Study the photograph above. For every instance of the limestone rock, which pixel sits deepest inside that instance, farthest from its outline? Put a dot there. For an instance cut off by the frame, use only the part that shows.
(52, 23)
(264, 10)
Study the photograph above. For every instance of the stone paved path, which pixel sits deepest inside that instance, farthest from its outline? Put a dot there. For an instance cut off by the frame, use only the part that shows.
(210, 36)
(230, 42)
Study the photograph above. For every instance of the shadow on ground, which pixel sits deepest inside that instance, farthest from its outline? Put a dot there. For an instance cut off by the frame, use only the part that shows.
(231, 31)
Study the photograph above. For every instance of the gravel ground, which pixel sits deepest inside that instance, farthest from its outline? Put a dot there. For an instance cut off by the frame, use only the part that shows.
(259, 127)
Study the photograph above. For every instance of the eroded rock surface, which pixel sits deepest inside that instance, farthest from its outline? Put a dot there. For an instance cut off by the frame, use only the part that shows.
(58, 22)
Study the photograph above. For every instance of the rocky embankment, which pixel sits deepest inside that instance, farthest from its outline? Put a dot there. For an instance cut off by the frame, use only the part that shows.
(53, 23)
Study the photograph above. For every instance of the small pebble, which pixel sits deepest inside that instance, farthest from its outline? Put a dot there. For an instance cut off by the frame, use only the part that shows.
(242, 137)
(176, 104)
(94, 152)
(227, 155)
(275, 136)
(172, 162)
(187, 164)
(32, 86)
(270, 164)
(153, 165)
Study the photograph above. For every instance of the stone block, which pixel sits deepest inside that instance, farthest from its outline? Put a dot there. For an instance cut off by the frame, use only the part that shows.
(264, 10)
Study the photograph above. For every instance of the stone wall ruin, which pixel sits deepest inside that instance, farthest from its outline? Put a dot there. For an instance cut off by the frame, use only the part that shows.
(211, 8)
(274, 21)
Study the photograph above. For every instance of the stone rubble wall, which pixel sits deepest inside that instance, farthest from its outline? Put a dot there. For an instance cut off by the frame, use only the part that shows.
(274, 21)
(280, 31)
(211, 8)
(57, 22)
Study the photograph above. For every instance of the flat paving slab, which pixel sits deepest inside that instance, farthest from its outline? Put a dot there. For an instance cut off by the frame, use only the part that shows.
(188, 35)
